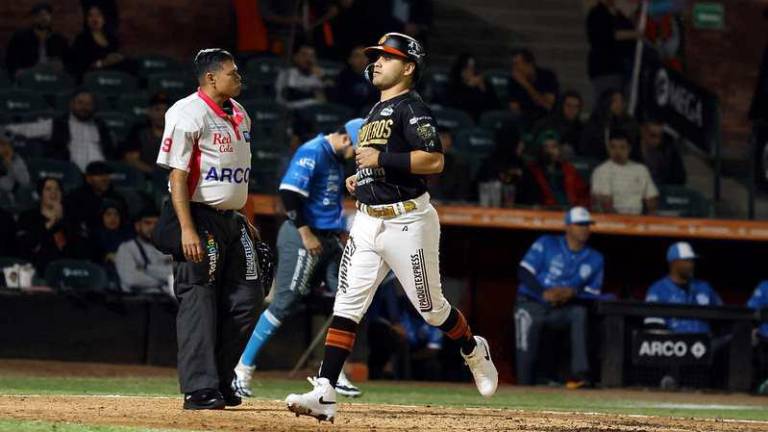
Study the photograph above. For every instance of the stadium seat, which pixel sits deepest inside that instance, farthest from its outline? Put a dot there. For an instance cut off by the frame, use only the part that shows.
(682, 201)
(585, 166)
(136, 198)
(451, 119)
(474, 145)
(17, 101)
(266, 116)
(331, 69)
(134, 104)
(436, 83)
(109, 83)
(177, 85)
(260, 75)
(76, 275)
(325, 117)
(497, 119)
(45, 80)
(118, 123)
(154, 63)
(61, 100)
(33, 116)
(126, 176)
(5, 83)
(67, 172)
(499, 80)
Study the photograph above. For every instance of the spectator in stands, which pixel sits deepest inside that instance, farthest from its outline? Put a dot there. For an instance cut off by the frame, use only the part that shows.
(606, 61)
(141, 267)
(610, 113)
(77, 136)
(681, 287)
(352, 88)
(556, 271)
(551, 181)
(38, 45)
(620, 185)
(565, 119)
(500, 172)
(533, 90)
(466, 88)
(96, 47)
(406, 347)
(454, 183)
(660, 155)
(110, 233)
(301, 85)
(47, 233)
(144, 140)
(84, 205)
(13, 171)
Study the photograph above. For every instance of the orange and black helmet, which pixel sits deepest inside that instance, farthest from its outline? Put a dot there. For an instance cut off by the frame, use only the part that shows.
(400, 45)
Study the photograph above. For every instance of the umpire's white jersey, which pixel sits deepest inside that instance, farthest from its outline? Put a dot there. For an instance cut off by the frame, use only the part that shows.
(212, 146)
(408, 245)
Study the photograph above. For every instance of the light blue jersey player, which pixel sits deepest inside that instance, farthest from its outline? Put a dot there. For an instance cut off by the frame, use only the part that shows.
(554, 272)
(759, 300)
(680, 287)
(308, 245)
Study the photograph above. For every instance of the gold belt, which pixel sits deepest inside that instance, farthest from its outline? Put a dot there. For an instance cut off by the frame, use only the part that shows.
(387, 211)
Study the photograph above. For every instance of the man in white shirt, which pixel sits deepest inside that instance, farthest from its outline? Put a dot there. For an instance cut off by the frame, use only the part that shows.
(301, 85)
(141, 267)
(620, 185)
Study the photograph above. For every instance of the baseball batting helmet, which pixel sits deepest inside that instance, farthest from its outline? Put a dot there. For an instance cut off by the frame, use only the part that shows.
(399, 45)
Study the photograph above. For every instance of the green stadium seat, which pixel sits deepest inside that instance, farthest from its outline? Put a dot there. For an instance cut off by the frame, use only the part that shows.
(61, 100)
(325, 117)
(17, 101)
(45, 81)
(33, 116)
(154, 63)
(126, 176)
(497, 119)
(684, 202)
(68, 275)
(451, 119)
(260, 75)
(118, 123)
(136, 198)
(134, 104)
(436, 82)
(109, 83)
(474, 145)
(67, 172)
(499, 80)
(177, 85)
(266, 116)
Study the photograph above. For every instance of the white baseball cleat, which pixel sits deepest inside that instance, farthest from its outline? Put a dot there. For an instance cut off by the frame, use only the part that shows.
(241, 383)
(319, 403)
(481, 365)
(345, 387)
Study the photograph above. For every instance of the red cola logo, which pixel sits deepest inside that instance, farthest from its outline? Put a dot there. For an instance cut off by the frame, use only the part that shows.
(224, 142)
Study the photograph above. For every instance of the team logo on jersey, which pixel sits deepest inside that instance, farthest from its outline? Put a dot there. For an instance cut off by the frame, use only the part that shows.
(702, 299)
(585, 270)
(228, 175)
(420, 281)
(386, 112)
(426, 131)
(375, 132)
(224, 142)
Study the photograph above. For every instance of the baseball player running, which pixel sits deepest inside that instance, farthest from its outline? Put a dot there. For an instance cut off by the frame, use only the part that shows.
(206, 147)
(395, 227)
(308, 245)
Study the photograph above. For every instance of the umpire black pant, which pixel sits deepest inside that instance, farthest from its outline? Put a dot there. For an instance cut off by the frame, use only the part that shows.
(218, 297)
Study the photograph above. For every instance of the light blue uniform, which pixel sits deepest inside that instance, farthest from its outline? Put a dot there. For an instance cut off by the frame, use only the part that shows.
(759, 300)
(668, 292)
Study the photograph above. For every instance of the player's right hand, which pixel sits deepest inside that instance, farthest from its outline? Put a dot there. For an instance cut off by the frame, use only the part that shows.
(190, 245)
(351, 183)
(311, 242)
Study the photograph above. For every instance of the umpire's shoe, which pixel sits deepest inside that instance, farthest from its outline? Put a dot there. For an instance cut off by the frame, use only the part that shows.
(231, 399)
(319, 403)
(481, 365)
(204, 399)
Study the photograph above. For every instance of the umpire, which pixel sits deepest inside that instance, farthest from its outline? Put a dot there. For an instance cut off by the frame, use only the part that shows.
(308, 245)
(206, 146)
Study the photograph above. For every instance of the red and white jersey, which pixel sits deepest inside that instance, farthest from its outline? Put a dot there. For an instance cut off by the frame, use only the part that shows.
(212, 146)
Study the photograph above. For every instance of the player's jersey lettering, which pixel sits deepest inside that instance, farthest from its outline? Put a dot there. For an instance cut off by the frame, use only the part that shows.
(375, 132)
(369, 175)
(228, 175)
(420, 281)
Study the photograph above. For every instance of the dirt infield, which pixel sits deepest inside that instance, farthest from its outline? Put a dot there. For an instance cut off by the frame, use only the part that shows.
(261, 415)
(272, 416)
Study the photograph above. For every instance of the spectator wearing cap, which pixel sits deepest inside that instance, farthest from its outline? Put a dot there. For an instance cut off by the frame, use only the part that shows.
(141, 267)
(557, 271)
(84, 205)
(141, 147)
(550, 180)
(46, 233)
(37, 45)
(13, 170)
(620, 185)
(76, 136)
(681, 287)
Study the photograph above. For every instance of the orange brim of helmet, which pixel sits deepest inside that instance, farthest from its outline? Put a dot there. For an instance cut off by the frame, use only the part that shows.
(386, 49)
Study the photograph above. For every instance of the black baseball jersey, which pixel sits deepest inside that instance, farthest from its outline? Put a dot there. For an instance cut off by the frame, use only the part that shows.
(399, 125)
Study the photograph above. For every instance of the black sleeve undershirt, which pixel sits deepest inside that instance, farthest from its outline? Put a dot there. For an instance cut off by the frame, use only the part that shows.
(294, 206)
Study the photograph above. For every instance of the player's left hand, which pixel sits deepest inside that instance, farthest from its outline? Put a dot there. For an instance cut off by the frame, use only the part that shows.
(367, 157)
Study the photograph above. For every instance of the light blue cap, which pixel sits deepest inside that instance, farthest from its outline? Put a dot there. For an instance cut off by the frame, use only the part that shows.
(578, 215)
(680, 251)
(353, 129)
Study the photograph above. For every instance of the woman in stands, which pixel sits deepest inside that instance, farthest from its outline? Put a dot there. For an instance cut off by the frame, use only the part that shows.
(610, 113)
(44, 233)
(466, 88)
(96, 47)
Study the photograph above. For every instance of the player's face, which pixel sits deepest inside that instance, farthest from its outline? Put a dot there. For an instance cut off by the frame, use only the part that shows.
(227, 79)
(684, 268)
(346, 150)
(390, 70)
(579, 232)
